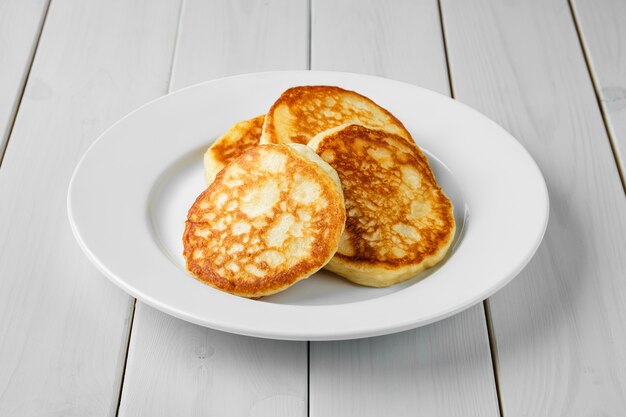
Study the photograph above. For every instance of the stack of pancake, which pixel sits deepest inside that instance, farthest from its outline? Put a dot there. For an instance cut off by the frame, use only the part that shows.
(327, 178)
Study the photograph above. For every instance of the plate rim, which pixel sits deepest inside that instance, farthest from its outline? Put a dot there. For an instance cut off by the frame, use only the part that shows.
(307, 335)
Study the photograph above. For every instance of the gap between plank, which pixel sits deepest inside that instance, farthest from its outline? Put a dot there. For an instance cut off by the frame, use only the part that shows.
(594, 82)
(493, 349)
(445, 48)
(130, 329)
(18, 104)
(176, 38)
(132, 317)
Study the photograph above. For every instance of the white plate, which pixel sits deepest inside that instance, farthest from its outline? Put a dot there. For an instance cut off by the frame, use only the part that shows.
(130, 193)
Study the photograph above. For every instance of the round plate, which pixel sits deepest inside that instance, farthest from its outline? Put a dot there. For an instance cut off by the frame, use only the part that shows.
(129, 196)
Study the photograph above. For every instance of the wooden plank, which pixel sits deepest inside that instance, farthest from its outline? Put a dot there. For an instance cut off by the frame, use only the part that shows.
(21, 23)
(443, 369)
(222, 38)
(178, 368)
(64, 327)
(401, 40)
(601, 26)
(559, 326)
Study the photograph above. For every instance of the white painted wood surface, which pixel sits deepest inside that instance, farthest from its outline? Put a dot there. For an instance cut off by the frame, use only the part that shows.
(438, 370)
(20, 25)
(63, 326)
(176, 368)
(444, 369)
(397, 39)
(221, 38)
(602, 26)
(560, 326)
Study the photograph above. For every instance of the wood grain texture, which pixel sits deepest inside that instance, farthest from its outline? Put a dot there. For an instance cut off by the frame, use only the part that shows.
(401, 40)
(178, 368)
(63, 326)
(20, 25)
(559, 326)
(603, 33)
(222, 38)
(443, 369)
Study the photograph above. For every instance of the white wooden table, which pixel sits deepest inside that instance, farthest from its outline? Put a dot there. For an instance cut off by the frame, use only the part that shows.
(552, 343)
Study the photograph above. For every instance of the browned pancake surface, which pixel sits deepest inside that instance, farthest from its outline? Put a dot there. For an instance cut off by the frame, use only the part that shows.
(302, 112)
(270, 218)
(238, 139)
(398, 219)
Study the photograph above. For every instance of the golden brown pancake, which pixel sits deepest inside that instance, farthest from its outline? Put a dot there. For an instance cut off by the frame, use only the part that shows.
(302, 112)
(399, 221)
(238, 139)
(272, 217)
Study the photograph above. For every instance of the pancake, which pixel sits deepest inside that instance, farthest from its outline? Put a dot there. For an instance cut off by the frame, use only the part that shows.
(399, 221)
(300, 113)
(238, 139)
(272, 217)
